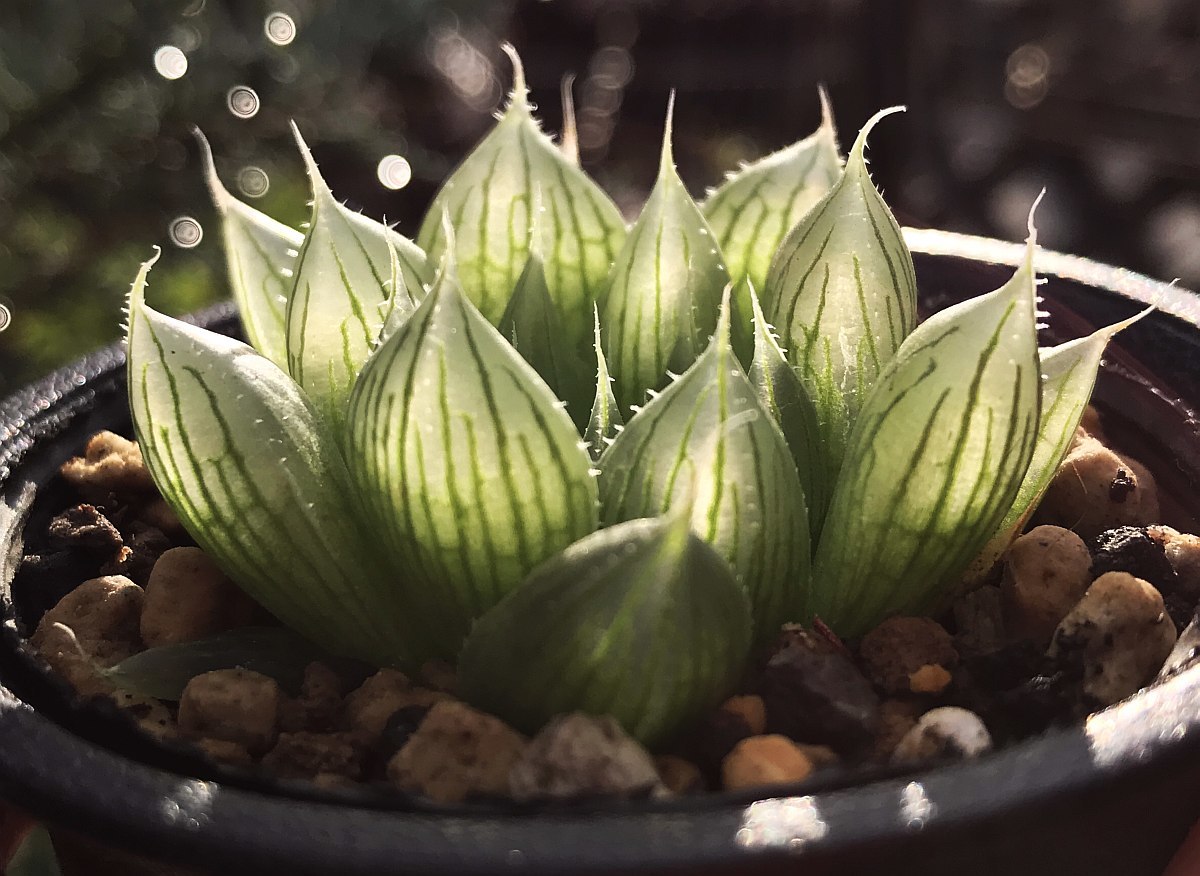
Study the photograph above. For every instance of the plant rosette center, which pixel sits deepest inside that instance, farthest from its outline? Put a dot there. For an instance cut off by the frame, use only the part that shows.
(598, 468)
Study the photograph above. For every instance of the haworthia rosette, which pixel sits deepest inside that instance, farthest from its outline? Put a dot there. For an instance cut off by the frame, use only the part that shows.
(490, 200)
(471, 470)
(754, 209)
(605, 421)
(642, 621)
(256, 477)
(660, 304)
(708, 436)
(782, 393)
(342, 288)
(934, 461)
(260, 254)
(1069, 373)
(842, 294)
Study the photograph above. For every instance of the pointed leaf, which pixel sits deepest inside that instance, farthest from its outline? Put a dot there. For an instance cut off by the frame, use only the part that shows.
(489, 200)
(605, 420)
(754, 209)
(661, 303)
(934, 461)
(642, 621)
(1068, 377)
(842, 294)
(164, 672)
(782, 393)
(343, 276)
(242, 457)
(402, 303)
(470, 468)
(532, 324)
(261, 257)
(707, 433)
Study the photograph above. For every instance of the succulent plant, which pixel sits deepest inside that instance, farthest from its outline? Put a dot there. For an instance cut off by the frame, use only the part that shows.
(426, 456)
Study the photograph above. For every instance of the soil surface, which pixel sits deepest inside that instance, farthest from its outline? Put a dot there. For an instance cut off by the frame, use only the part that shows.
(1082, 611)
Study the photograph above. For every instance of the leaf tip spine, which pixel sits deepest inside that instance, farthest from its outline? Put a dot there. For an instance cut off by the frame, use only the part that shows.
(208, 166)
(316, 181)
(827, 121)
(519, 96)
(570, 134)
(667, 161)
(858, 150)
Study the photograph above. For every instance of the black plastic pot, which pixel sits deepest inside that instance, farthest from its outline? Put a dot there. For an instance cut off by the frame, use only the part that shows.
(1113, 796)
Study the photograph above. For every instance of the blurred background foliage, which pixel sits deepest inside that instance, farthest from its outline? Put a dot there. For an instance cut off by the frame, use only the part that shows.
(1099, 101)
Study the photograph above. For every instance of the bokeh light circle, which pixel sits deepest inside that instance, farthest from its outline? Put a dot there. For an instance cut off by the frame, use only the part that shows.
(242, 101)
(185, 232)
(394, 171)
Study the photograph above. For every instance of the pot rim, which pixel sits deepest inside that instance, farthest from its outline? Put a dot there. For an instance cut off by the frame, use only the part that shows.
(44, 766)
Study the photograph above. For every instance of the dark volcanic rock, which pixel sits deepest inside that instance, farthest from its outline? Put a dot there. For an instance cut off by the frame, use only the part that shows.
(819, 697)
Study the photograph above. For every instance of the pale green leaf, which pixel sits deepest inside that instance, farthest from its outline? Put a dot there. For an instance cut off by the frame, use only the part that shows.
(661, 302)
(934, 461)
(644, 622)
(243, 458)
(470, 468)
(1068, 377)
(489, 200)
(707, 436)
(343, 286)
(754, 209)
(605, 420)
(782, 393)
(841, 292)
(261, 256)
(164, 672)
(532, 324)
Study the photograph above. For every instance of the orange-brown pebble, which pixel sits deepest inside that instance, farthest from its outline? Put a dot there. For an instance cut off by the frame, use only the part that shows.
(820, 755)
(900, 646)
(455, 753)
(232, 704)
(762, 761)
(1123, 633)
(368, 708)
(98, 618)
(1097, 489)
(751, 709)
(109, 462)
(1046, 571)
(931, 679)
(188, 598)
(679, 776)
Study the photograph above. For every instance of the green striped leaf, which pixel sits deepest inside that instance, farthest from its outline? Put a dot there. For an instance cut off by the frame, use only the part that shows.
(343, 289)
(754, 209)
(708, 436)
(471, 470)
(532, 324)
(256, 477)
(842, 294)
(1068, 376)
(489, 200)
(605, 421)
(642, 621)
(782, 393)
(934, 461)
(662, 298)
(261, 255)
